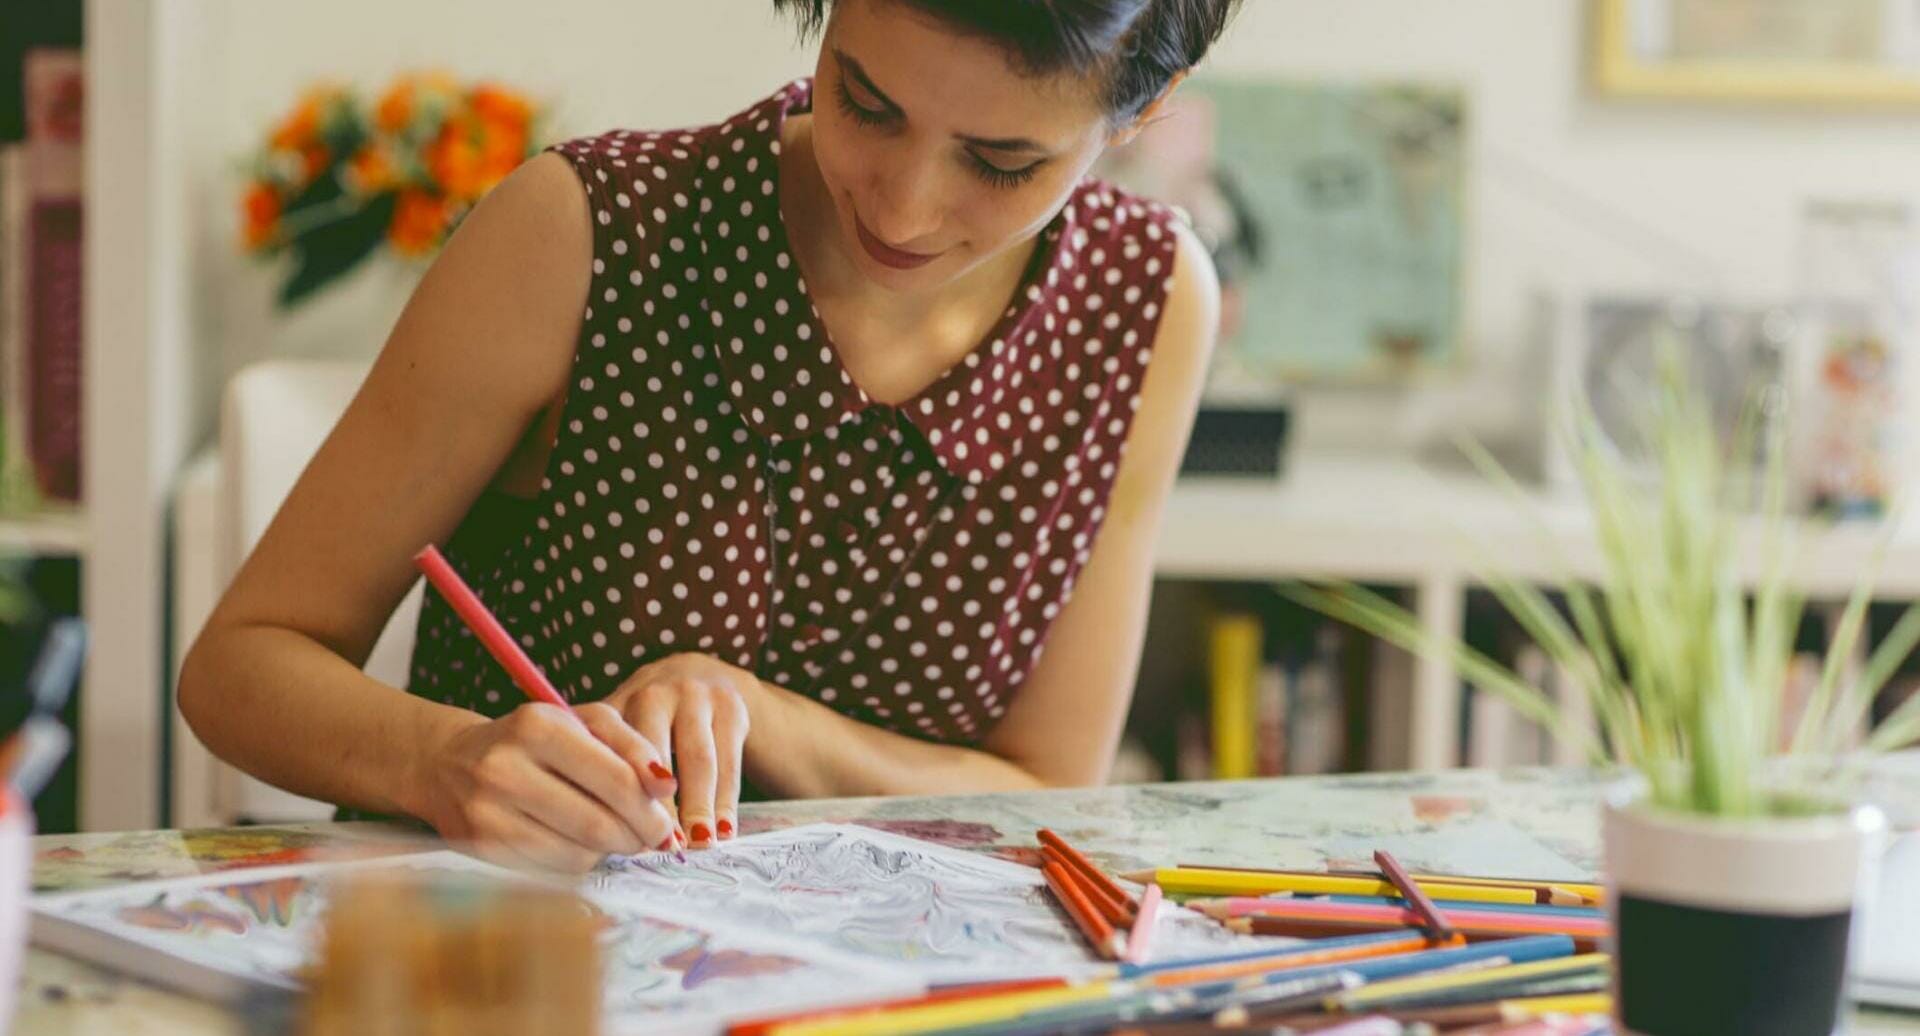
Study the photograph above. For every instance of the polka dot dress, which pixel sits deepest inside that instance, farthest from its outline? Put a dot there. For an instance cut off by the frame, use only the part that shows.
(721, 485)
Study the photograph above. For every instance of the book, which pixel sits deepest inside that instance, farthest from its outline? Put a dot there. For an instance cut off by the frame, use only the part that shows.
(15, 481)
(52, 249)
(1317, 739)
(1234, 656)
(1270, 707)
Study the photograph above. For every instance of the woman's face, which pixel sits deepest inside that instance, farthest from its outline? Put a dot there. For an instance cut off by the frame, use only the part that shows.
(938, 153)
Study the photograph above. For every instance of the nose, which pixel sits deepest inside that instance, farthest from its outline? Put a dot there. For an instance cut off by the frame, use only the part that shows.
(904, 205)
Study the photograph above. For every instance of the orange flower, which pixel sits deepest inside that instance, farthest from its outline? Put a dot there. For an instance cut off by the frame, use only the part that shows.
(397, 106)
(261, 211)
(419, 220)
(500, 107)
(301, 127)
(455, 162)
(371, 169)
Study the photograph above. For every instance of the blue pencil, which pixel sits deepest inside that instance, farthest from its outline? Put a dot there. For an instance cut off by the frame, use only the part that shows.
(1517, 951)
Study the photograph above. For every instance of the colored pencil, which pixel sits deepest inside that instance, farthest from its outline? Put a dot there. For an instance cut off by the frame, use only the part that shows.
(1393, 912)
(1100, 935)
(1546, 1025)
(1439, 1003)
(953, 1014)
(1547, 891)
(1386, 994)
(1427, 962)
(499, 643)
(1191, 882)
(1416, 942)
(1431, 918)
(1330, 927)
(487, 629)
(1140, 937)
(1268, 953)
(1138, 1006)
(1117, 912)
(1515, 909)
(1087, 868)
(764, 1025)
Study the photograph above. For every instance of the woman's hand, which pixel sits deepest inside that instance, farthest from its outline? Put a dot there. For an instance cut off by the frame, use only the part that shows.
(694, 707)
(550, 789)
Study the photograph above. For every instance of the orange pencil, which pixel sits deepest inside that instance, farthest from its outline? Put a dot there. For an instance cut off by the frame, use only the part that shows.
(1086, 867)
(1117, 912)
(762, 1026)
(1099, 933)
(1415, 942)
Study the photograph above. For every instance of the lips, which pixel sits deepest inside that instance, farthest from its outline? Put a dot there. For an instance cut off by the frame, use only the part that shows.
(887, 255)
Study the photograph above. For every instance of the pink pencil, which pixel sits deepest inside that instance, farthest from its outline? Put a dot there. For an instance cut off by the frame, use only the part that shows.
(1140, 938)
(493, 636)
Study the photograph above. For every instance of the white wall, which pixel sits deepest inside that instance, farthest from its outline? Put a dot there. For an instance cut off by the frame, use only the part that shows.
(1568, 188)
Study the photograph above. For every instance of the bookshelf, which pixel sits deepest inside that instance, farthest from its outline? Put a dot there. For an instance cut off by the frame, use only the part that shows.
(1427, 529)
(64, 533)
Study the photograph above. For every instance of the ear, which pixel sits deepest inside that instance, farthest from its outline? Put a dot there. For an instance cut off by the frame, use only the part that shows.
(1148, 115)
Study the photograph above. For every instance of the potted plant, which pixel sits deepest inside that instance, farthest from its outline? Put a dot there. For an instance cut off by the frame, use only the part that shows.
(1733, 849)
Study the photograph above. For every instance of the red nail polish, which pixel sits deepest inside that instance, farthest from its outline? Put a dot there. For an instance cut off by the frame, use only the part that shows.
(660, 771)
(701, 834)
(669, 843)
(725, 826)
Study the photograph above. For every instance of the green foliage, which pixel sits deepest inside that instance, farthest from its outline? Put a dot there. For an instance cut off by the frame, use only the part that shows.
(1684, 668)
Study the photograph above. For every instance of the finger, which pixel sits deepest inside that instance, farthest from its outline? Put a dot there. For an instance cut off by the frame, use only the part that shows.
(513, 839)
(572, 812)
(651, 713)
(613, 730)
(649, 817)
(699, 769)
(729, 741)
(587, 764)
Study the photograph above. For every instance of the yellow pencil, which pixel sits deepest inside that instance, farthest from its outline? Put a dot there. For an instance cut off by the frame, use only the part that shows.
(1386, 992)
(1188, 881)
(949, 1014)
(1533, 1008)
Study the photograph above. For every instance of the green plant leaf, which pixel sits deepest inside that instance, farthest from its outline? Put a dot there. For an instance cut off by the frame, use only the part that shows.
(328, 250)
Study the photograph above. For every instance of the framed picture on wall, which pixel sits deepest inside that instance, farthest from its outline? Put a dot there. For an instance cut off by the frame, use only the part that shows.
(1835, 52)
(1335, 213)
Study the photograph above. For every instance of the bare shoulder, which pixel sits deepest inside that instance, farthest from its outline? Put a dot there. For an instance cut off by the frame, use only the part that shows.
(1176, 373)
(499, 311)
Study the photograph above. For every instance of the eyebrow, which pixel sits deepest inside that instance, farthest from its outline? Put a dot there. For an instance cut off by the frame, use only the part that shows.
(853, 68)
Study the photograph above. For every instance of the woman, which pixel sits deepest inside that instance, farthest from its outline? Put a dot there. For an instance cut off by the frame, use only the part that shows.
(785, 453)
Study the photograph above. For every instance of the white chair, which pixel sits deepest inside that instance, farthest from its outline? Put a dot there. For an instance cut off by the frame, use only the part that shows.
(273, 419)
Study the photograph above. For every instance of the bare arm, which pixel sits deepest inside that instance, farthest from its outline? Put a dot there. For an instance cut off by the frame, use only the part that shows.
(1065, 722)
(481, 353)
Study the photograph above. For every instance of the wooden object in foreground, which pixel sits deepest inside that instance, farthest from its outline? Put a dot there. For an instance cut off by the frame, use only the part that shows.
(406, 955)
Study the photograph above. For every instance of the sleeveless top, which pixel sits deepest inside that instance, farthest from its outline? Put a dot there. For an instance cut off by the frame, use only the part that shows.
(719, 483)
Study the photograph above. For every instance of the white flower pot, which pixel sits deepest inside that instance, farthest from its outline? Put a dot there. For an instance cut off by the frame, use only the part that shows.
(1734, 926)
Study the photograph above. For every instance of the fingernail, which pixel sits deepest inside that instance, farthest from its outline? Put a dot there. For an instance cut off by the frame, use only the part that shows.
(725, 826)
(666, 845)
(701, 834)
(660, 771)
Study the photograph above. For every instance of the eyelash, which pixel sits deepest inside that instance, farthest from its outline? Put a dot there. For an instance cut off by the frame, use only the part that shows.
(992, 174)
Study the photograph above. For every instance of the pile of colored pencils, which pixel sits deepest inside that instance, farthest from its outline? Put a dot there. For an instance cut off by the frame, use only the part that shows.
(1388, 953)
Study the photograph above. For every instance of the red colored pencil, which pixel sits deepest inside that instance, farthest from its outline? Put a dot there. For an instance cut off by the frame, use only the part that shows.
(1431, 918)
(498, 642)
(1086, 867)
(1099, 933)
(487, 629)
(1117, 912)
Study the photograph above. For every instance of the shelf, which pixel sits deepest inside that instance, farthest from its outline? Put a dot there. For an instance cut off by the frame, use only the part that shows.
(63, 532)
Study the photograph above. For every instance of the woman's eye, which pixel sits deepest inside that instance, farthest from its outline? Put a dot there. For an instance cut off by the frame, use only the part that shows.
(999, 177)
(856, 111)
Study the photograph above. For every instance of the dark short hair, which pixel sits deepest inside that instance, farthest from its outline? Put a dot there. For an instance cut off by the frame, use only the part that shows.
(1137, 45)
